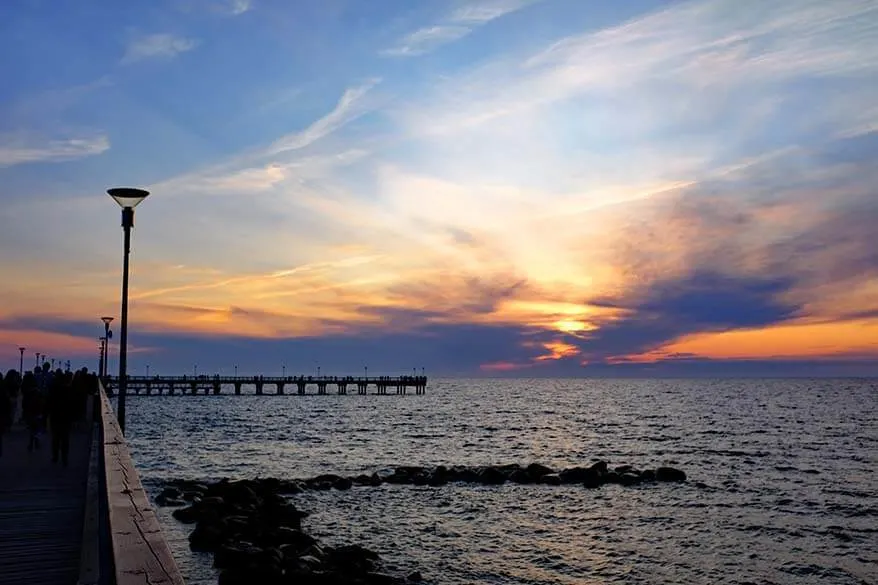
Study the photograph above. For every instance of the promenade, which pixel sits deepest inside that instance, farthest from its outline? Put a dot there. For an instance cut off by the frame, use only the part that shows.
(42, 506)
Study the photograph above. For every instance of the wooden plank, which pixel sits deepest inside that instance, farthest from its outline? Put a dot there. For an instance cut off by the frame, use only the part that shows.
(41, 509)
(90, 553)
(140, 552)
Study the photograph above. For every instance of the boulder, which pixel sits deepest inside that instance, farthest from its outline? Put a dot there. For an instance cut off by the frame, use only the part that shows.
(537, 470)
(492, 476)
(187, 515)
(669, 474)
(551, 479)
(343, 483)
(237, 556)
(205, 538)
(520, 476)
(599, 467)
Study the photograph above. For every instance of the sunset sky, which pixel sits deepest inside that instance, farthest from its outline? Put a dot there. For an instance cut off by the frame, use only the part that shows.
(482, 187)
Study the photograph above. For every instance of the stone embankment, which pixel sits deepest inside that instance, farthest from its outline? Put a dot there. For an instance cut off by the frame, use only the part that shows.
(255, 533)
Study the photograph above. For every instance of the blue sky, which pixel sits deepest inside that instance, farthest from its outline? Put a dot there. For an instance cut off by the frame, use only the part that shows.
(484, 187)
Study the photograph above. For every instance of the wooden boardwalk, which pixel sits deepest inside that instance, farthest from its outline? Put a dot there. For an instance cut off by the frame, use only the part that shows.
(41, 510)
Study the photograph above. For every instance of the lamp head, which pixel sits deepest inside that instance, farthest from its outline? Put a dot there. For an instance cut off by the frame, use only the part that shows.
(107, 320)
(128, 197)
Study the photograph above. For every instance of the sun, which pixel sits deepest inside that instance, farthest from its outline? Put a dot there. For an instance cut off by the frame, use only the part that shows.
(572, 326)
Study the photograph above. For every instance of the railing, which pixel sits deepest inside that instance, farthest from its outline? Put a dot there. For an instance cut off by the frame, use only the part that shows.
(122, 540)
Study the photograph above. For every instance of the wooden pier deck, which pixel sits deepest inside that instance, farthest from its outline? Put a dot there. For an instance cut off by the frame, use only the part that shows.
(192, 385)
(42, 507)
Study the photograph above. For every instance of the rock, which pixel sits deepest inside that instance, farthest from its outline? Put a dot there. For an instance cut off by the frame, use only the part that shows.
(492, 476)
(536, 470)
(437, 479)
(575, 474)
(309, 563)
(415, 577)
(647, 475)
(169, 502)
(629, 479)
(551, 479)
(353, 558)
(205, 538)
(364, 479)
(520, 476)
(669, 474)
(343, 483)
(600, 467)
(623, 469)
(592, 479)
(187, 515)
(297, 538)
(236, 556)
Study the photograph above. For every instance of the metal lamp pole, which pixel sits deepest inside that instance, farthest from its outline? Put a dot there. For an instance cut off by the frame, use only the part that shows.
(108, 335)
(21, 363)
(128, 199)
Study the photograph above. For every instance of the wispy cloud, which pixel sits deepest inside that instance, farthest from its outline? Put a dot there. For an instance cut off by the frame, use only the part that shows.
(236, 7)
(456, 25)
(348, 108)
(157, 46)
(21, 148)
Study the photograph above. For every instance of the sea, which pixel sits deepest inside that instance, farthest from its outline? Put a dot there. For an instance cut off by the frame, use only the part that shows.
(782, 476)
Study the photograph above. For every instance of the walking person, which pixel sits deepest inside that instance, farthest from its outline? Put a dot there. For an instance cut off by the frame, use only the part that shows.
(60, 410)
(6, 410)
(31, 409)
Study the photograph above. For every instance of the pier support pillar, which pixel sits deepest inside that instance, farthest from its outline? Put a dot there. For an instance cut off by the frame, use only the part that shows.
(300, 388)
(259, 388)
(193, 388)
(217, 388)
(280, 388)
(237, 388)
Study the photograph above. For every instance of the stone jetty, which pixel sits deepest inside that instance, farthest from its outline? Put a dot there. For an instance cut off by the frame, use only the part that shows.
(255, 533)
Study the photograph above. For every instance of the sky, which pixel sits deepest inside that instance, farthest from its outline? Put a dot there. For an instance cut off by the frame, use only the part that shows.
(473, 187)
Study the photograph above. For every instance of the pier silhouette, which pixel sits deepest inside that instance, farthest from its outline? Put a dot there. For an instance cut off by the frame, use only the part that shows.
(207, 384)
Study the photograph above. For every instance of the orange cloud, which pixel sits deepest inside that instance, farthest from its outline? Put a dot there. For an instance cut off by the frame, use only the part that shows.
(857, 338)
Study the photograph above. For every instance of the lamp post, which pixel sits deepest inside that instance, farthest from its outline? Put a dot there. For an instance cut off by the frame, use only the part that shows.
(318, 371)
(147, 370)
(236, 370)
(128, 199)
(36, 359)
(108, 335)
(195, 370)
(366, 372)
(102, 361)
(21, 363)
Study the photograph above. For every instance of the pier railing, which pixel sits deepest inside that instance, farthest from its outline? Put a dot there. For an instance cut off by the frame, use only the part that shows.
(214, 384)
(123, 543)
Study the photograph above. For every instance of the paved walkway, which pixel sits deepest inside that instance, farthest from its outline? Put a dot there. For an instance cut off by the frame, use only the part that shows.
(41, 510)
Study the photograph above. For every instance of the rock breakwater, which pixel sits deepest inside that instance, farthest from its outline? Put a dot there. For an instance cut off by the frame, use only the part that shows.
(255, 533)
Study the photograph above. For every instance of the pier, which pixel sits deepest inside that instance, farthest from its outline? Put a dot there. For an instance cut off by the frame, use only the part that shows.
(260, 385)
(90, 522)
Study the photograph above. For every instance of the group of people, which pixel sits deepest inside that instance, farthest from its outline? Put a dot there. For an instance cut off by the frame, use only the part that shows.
(50, 400)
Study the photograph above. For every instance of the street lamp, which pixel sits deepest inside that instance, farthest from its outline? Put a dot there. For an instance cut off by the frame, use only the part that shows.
(318, 371)
(21, 363)
(147, 370)
(128, 199)
(366, 372)
(236, 370)
(108, 335)
(195, 370)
